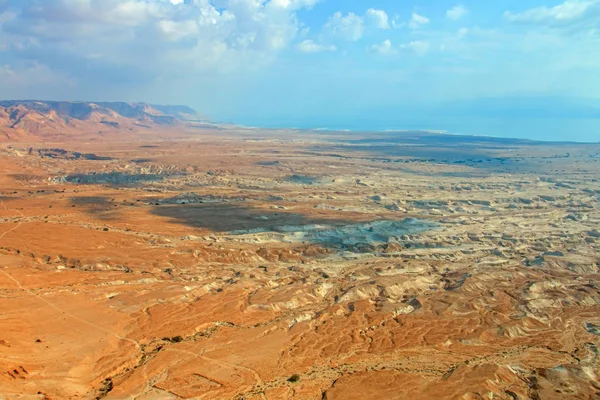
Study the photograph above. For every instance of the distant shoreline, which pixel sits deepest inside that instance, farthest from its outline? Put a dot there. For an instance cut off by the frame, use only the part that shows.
(554, 131)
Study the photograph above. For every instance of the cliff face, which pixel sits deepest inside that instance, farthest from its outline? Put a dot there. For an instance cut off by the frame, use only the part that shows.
(30, 118)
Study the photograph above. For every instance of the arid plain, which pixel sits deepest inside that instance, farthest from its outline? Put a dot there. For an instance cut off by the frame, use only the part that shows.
(204, 262)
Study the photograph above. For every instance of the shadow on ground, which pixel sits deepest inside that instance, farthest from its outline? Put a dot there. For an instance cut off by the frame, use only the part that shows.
(100, 207)
(114, 179)
(481, 156)
(261, 225)
(224, 218)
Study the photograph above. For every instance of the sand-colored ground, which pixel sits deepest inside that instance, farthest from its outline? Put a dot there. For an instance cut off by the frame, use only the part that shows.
(278, 265)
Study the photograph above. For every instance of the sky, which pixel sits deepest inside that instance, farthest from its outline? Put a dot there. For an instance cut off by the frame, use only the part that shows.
(469, 65)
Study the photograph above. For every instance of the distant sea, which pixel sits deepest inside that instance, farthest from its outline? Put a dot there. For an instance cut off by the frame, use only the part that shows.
(546, 129)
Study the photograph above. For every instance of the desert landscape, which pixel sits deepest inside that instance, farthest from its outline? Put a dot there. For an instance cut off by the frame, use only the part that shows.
(150, 254)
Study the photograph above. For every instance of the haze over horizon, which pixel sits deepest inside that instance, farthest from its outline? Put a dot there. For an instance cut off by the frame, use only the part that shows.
(523, 69)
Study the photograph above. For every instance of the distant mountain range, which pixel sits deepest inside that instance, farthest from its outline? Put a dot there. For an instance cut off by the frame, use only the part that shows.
(20, 119)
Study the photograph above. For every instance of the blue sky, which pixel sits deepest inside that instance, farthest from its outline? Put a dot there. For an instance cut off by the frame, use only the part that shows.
(313, 62)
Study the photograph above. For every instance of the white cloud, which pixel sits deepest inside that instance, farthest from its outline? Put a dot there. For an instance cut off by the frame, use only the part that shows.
(175, 31)
(417, 46)
(352, 26)
(12, 76)
(383, 48)
(155, 36)
(462, 33)
(568, 12)
(456, 12)
(417, 20)
(378, 18)
(396, 23)
(349, 27)
(309, 46)
(294, 4)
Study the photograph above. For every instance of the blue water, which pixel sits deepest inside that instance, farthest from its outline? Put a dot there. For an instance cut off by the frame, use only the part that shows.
(546, 129)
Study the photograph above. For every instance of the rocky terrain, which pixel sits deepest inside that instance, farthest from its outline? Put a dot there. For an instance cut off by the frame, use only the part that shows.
(29, 120)
(246, 264)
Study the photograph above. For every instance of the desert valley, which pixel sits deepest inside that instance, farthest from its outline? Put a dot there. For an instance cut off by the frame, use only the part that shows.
(150, 254)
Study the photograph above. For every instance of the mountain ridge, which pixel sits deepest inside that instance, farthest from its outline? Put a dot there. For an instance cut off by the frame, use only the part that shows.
(24, 119)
